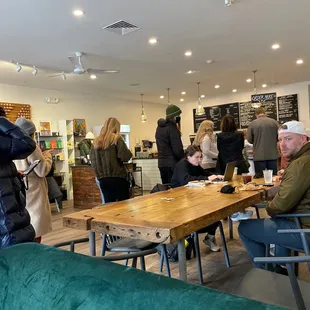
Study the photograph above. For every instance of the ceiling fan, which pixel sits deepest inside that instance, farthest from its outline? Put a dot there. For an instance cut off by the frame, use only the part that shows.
(79, 69)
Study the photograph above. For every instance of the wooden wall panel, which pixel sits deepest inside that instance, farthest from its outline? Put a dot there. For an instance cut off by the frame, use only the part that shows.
(16, 110)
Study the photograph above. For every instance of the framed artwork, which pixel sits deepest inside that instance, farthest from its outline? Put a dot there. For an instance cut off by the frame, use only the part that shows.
(79, 127)
(45, 128)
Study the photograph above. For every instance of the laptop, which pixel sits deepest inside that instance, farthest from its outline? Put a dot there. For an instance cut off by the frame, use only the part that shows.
(229, 172)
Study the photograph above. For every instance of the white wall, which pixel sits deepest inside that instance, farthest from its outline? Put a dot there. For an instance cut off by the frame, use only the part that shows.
(92, 108)
(299, 88)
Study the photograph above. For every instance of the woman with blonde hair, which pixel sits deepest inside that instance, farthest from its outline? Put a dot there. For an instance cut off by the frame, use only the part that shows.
(205, 139)
(107, 155)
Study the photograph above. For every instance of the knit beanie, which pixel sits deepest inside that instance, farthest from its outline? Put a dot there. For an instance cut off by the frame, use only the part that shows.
(173, 111)
(25, 124)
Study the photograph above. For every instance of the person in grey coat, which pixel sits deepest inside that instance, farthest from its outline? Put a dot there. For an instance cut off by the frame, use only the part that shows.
(263, 134)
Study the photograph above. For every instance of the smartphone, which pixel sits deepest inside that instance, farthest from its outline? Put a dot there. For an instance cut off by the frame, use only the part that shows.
(31, 167)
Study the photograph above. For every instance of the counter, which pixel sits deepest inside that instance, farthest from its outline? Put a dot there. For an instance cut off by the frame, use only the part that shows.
(86, 194)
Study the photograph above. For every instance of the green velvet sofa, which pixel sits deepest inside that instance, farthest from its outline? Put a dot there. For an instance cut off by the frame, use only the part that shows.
(35, 276)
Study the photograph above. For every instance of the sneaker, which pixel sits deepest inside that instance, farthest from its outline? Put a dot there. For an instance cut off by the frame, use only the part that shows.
(241, 216)
(272, 249)
(210, 241)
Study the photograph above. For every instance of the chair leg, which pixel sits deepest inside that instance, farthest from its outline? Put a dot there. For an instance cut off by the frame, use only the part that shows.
(224, 245)
(257, 212)
(161, 262)
(267, 254)
(92, 243)
(134, 263)
(231, 229)
(296, 265)
(104, 244)
(165, 259)
(57, 205)
(142, 263)
(198, 258)
(126, 260)
(72, 245)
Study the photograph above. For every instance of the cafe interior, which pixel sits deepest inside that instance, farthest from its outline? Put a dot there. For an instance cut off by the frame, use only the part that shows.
(68, 66)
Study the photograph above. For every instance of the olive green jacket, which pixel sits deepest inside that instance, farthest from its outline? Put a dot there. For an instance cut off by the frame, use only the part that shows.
(294, 193)
(109, 162)
(84, 147)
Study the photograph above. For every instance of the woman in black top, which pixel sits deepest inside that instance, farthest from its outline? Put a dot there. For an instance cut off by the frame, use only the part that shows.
(230, 144)
(189, 169)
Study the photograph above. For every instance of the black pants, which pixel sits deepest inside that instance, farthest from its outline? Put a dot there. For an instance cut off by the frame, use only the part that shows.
(210, 229)
(261, 165)
(166, 174)
(114, 189)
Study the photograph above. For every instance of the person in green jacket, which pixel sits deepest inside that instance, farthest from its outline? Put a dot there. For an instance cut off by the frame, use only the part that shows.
(107, 155)
(85, 145)
(292, 197)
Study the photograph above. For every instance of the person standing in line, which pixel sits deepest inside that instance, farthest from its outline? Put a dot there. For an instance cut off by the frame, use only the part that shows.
(107, 155)
(15, 224)
(205, 139)
(37, 202)
(263, 134)
(169, 143)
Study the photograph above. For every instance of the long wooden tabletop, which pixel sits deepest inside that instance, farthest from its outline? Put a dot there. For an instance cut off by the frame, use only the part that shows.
(164, 217)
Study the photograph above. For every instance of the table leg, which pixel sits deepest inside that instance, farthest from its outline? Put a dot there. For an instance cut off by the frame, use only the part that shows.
(182, 260)
(92, 243)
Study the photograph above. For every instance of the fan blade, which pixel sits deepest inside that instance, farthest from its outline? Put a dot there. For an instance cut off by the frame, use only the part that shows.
(99, 71)
(55, 75)
(74, 61)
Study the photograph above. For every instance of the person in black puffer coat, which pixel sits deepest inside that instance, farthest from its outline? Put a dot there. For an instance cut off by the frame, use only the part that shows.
(169, 143)
(15, 224)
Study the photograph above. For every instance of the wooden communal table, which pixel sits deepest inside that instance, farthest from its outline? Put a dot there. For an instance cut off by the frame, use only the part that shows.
(164, 217)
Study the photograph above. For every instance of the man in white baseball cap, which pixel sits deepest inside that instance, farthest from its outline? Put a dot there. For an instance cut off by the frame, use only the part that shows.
(292, 197)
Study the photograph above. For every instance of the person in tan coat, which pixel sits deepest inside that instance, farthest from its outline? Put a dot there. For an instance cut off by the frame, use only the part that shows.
(37, 202)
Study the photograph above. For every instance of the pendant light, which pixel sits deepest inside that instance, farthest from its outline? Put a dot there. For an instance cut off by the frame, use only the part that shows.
(143, 115)
(200, 110)
(255, 105)
(168, 90)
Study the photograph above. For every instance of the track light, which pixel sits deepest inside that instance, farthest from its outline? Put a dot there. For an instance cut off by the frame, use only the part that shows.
(63, 76)
(18, 67)
(35, 70)
(229, 2)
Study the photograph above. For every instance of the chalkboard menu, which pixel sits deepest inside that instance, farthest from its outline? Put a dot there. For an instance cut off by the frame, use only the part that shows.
(247, 114)
(288, 108)
(214, 114)
(198, 119)
(233, 110)
(268, 102)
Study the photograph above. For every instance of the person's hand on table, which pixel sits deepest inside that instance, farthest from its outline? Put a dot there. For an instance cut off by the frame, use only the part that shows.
(214, 177)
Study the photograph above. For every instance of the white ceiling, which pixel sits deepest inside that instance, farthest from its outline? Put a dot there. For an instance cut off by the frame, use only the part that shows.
(238, 38)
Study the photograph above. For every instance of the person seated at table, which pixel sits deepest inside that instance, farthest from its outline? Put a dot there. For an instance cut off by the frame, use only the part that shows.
(292, 197)
(189, 169)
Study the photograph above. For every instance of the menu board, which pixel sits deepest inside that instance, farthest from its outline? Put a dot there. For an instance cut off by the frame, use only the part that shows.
(214, 114)
(198, 119)
(268, 102)
(233, 110)
(247, 114)
(288, 108)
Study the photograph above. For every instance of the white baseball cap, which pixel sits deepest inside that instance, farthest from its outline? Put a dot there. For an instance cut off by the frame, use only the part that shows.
(293, 127)
(90, 136)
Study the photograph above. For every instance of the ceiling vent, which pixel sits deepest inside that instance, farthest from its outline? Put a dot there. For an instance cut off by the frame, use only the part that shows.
(121, 27)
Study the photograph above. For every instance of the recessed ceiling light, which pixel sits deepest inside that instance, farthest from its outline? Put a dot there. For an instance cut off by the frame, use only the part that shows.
(78, 13)
(183, 93)
(217, 86)
(153, 41)
(202, 96)
(93, 76)
(249, 80)
(299, 62)
(181, 99)
(275, 46)
(234, 90)
(188, 53)
(210, 61)
(162, 97)
(190, 72)
(264, 85)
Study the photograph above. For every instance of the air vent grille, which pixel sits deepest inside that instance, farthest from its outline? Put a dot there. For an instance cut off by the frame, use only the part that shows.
(121, 27)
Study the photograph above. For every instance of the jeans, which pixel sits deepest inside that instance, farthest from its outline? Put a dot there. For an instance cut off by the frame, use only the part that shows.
(102, 197)
(166, 174)
(257, 233)
(261, 165)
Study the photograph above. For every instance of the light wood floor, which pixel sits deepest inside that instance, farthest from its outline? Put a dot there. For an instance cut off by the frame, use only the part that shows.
(216, 274)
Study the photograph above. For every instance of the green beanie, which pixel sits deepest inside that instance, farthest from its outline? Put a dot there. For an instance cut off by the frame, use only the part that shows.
(173, 111)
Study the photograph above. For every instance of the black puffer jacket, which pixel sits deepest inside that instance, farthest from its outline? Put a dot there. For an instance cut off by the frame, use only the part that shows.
(230, 146)
(169, 143)
(15, 224)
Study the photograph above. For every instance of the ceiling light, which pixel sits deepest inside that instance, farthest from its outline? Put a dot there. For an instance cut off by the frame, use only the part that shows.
(234, 90)
(217, 86)
(228, 2)
(210, 61)
(35, 70)
(202, 96)
(78, 13)
(162, 97)
(143, 115)
(18, 67)
(93, 76)
(275, 46)
(188, 53)
(299, 62)
(190, 72)
(200, 110)
(153, 41)
(264, 85)
(63, 76)
(249, 80)
(181, 99)
(183, 93)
